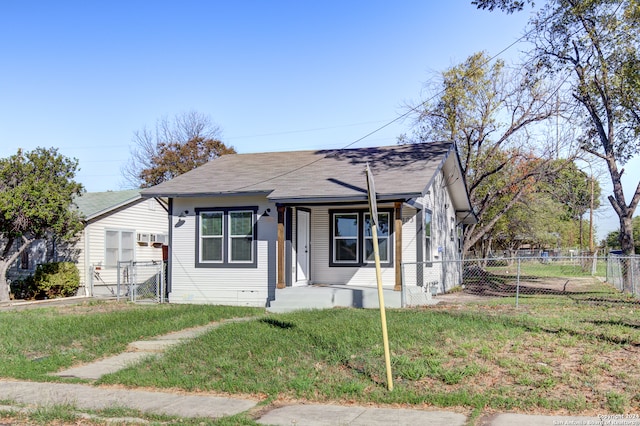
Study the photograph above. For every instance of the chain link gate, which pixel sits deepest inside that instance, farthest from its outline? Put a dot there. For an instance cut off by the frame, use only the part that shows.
(142, 281)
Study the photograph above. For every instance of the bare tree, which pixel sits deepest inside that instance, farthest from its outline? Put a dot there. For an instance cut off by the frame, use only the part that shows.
(496, 116)
(173, 147)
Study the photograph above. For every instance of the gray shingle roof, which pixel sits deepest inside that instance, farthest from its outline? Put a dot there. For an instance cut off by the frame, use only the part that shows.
(92, 204)
(400, 171)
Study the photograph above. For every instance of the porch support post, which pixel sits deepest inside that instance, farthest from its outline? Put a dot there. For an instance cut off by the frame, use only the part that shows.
(397, 229)
(281, 260)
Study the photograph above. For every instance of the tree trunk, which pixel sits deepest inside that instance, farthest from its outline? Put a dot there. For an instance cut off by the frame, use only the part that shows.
(4, 286)
(580, 239)
(627, 246)
(5, 262)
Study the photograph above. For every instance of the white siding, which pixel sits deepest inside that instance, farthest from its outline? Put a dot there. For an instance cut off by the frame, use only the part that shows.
(256, 286)
(445, 270)
(142, 216)
(322, 273)
(225, 286)
(40, 251)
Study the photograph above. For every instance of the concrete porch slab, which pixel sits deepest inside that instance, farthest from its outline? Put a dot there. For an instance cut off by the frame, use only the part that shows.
(322, 296)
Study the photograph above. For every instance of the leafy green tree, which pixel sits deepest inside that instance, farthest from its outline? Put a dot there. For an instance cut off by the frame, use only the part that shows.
(36, 195)
(613, 238)
(508, 6)
(533, 221)
(173, 148)
(577, 192)
(545, 217)
(495, 115)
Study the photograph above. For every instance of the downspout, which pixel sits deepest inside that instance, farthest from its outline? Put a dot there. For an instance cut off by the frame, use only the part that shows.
(169, 248)
(280, 261)
(88, 272)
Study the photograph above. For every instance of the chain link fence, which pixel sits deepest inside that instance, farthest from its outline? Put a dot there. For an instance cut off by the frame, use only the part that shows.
(506, 277)
(142, 281)
(623, 272)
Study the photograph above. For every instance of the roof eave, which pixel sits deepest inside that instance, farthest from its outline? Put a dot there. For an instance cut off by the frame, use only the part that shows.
(343, 199)
(466, 217)
(168, 194)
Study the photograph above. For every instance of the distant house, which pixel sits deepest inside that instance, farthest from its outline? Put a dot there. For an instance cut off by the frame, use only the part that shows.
(244, 228)
(119, 226)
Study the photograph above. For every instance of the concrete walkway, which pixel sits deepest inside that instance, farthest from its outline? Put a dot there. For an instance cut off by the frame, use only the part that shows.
(136, 351)
(89, 397)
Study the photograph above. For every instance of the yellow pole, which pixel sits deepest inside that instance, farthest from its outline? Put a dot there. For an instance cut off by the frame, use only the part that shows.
(383, 315)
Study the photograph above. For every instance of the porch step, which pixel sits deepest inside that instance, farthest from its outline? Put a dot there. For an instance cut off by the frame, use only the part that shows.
(328, 296)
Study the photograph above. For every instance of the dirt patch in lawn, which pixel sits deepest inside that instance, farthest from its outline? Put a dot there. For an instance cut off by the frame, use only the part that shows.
(491, 288)
(71, 305)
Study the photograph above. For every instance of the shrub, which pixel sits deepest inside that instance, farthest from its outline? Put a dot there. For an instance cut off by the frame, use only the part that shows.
(23, 288)
(51, 280)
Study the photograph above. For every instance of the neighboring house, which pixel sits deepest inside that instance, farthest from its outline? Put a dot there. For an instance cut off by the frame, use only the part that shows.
(119, 226)
(245, 227)
(39, 252)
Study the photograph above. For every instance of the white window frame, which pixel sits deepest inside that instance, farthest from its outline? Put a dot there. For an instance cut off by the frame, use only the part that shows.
(230, 236)
(119, 249)
(380, 237)
(428, 236)
(360, 237)
(335, 238)
(205, 237)
(226, 238)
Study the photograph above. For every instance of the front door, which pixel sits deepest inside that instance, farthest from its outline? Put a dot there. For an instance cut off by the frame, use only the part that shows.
(302, 247)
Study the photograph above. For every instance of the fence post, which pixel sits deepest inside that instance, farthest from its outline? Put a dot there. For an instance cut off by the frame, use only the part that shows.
(518, 284)
(132, 280)
(161, 284)
(403, 295)
(118, 281)
(632, 264)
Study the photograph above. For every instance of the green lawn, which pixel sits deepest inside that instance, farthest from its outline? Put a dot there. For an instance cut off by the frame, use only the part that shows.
(566, 354)
(36, 342)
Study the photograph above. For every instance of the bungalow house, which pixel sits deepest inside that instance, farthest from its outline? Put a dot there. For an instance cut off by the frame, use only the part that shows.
(245, 229)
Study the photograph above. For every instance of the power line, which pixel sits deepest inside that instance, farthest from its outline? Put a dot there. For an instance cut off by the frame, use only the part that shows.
(387, 124)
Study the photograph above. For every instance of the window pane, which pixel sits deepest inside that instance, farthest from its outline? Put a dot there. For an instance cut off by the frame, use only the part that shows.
(111, 240)
(127, 240)
(427, 234)
(241, 250)
(212, 249)
(383, 225)
(427, 224)
(383, 249)
(241, 223)
(346, 250)
(111, 257)
(127, 255)
(211, 223)
(345, 225)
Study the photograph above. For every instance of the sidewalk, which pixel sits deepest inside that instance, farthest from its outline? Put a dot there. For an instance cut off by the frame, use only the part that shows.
(88, 397)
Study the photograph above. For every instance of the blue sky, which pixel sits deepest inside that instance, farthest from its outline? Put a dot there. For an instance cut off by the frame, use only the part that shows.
(275, 75)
